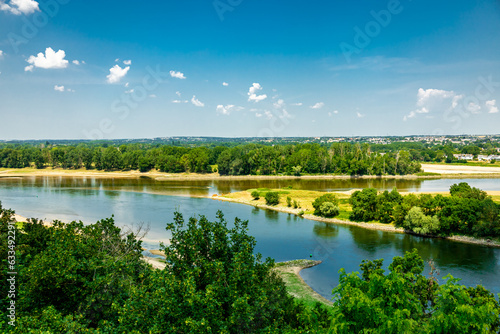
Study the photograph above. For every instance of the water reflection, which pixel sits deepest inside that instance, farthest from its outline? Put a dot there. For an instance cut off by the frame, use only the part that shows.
(325, 230)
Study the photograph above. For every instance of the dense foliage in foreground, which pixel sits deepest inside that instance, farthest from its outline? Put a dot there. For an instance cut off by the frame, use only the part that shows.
(249, 159)
(467, 211)
(75, 278)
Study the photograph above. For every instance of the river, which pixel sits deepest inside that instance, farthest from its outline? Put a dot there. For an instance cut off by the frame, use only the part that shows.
(280, 236)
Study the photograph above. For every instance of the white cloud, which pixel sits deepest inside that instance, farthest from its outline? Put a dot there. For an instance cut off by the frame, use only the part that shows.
(197, 102)
(127, 62)
(225, 84)
(116, 73)
(117, 60)
(297, 104)
(224, 110)
(318, 105)
(18, 7)
(62, 89)
(126, 84)
(258, 114)
(178, 75)
(279, 104)
(491, 106)
(434, 99)
(1, 53)
(152, 96)
(268, 114)
(76, 62)
(330, 113)
(50, 59)
(359, 115)
(130, 91)
(180, 101)
(252, 93)
(474, 108)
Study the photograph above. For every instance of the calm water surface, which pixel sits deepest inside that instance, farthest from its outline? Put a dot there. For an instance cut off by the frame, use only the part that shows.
(280, 236)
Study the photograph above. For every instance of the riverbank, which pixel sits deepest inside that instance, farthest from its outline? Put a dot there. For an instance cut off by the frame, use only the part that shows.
(436, 171)
(305, 210)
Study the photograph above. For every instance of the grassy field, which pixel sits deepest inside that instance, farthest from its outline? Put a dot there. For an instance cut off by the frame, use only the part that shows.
(304, 198)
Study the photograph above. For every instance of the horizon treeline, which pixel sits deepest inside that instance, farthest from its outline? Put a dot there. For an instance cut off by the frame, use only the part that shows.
(248, 159)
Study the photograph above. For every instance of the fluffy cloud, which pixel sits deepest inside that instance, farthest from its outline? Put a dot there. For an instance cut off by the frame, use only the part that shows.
(359, 115)
(127, 62)
(297, 104)
(252, 93)
(318, 105)
(1, 53)
(474, 108)
(76, 62)
(50, 59)
(178, 75)
(116, 73)
(225, 84)
(19, 7)
(62, 89)
(197, 102)
(491, 106)
(430, 99)
(226, 110)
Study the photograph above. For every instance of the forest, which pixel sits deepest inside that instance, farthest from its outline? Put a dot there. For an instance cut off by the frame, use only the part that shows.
(467, 211)
(76, 278)
(248, 159)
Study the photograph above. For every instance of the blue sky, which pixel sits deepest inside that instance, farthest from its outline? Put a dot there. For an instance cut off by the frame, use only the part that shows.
(121, 69)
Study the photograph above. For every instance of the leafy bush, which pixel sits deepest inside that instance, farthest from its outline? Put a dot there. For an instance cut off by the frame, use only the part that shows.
(296, 204)
(418, 222)
(329, 210)
(322, 199)
(255, 194)
(272, 198)
(288, 201)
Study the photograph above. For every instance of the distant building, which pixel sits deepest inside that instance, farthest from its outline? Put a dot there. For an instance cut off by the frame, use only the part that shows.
(463, 156)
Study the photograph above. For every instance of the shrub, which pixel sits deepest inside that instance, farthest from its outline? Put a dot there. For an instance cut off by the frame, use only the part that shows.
(288, 201)
(322, 199)
(255, 194)
(418, 222)
(272, 198)
(328, 209)
(296, 204)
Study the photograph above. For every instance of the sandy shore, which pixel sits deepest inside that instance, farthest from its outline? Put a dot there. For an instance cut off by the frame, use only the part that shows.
(454, 169)
(446, 171)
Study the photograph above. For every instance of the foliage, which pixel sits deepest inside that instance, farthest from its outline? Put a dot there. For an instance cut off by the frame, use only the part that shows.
(418, 222)
(364, 205)
(272, 198)
(405, 301)
(329, 210)
(255, 194)
(288, 201)
(318, 202)
(213, 283)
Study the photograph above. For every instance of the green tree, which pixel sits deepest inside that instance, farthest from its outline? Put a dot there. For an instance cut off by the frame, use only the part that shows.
(255, 194)
(418, 222)
(213, 283)
(272, 198)
(364, 205)
(318, 202)
(329, 210)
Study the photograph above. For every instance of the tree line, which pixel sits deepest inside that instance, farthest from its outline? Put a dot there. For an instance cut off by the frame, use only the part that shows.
(467, 211)
(249, 159)
(76, 278)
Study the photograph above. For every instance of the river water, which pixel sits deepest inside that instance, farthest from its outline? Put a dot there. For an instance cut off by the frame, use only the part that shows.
(279, 235)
